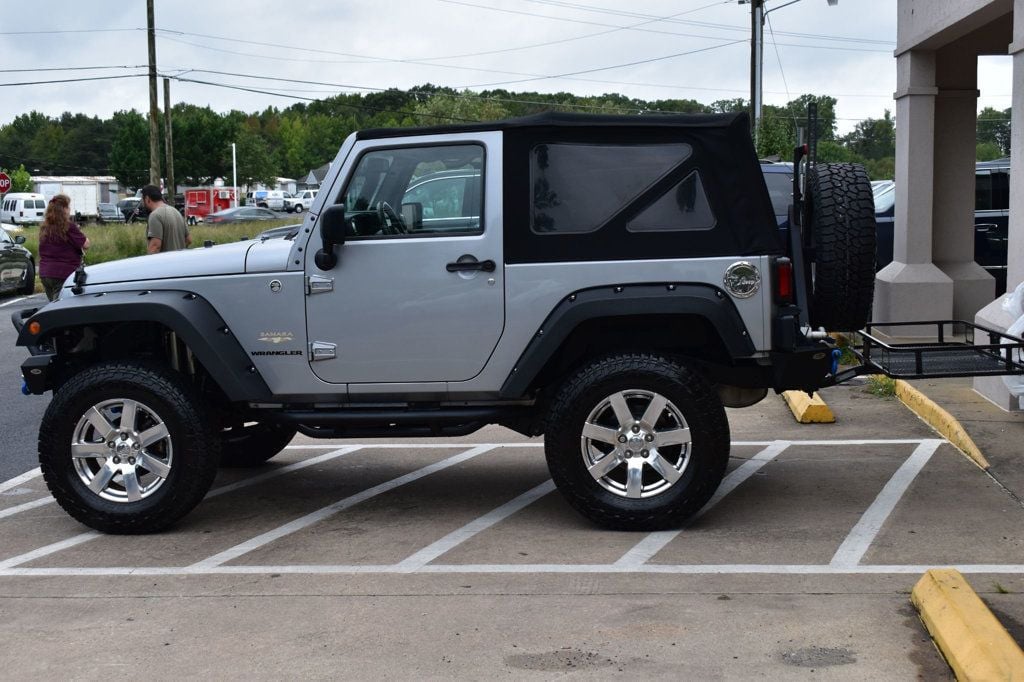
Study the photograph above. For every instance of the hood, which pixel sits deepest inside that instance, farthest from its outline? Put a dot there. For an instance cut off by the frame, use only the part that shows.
(228, 259)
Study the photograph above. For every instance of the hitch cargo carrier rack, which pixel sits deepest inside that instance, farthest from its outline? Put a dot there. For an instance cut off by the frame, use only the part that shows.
(954, 354)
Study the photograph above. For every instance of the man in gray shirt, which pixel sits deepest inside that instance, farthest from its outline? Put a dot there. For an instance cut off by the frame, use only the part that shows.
(166, 229)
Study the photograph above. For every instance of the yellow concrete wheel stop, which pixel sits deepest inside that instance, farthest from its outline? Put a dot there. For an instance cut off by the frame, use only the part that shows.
(974, 642)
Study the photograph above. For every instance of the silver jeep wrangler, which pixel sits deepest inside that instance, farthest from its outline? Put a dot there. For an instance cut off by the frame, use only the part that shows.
(607, 282)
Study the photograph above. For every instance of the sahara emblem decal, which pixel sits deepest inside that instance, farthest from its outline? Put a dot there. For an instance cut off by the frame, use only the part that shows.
(276, 337)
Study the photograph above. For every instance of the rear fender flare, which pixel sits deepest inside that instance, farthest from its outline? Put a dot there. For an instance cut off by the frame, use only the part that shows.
(708, 302)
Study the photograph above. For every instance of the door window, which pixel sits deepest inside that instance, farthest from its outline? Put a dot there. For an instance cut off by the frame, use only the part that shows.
(416, 192)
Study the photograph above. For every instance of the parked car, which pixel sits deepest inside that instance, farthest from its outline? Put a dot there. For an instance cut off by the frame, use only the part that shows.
(131, 208)
(301, 201)
(991, 219)
(241, 214)
(108, 213)
(17, 265)
(19, 208)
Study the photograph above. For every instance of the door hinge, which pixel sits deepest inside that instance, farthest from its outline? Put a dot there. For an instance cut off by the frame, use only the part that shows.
(315, 284)
(321, 350)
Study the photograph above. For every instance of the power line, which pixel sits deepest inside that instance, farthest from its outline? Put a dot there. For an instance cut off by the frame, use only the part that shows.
(704, 24)
(647, 30)
(74, 80)
(77, 30)
(71, 68)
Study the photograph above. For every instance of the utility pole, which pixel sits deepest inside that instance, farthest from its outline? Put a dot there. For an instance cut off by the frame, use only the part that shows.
(154, 108)
(756, 63)
(169, 141)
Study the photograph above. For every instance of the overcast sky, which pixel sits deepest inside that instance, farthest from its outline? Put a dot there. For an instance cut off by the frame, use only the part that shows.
(586, 47)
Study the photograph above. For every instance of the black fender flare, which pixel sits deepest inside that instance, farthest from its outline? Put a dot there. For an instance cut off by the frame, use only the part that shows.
(708, 302)
(187, 314)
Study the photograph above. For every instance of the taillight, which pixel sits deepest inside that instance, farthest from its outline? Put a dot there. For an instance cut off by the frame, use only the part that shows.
(783, 281)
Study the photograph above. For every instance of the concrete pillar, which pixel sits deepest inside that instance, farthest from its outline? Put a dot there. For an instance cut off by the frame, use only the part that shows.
(911, 287)
(993, 314)
(956, 75)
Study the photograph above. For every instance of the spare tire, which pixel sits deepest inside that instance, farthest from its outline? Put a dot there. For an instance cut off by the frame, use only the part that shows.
(843, 232)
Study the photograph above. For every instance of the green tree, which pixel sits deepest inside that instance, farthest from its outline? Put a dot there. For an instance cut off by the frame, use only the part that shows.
(994, 129)
(256, 163)
(873, 138)
(129, 152)
(987, 151)
(21, 180)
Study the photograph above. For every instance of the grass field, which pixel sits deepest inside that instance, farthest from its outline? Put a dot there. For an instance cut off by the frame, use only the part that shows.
(114, 242)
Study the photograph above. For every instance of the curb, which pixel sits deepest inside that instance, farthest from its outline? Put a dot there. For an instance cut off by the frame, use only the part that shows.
(808, 409)
(940, 420)
(973, 641)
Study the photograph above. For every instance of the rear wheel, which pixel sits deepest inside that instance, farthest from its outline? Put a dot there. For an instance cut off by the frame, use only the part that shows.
(250, 445)
(298, 208)
(637, 442)
(127, 447)
(843, 225)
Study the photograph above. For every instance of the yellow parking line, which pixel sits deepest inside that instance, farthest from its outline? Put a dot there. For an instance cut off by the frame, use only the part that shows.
(975, 644)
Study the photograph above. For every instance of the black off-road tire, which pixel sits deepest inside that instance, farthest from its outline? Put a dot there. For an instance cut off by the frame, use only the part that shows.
(29, 287)
(687, 391)
(253, 444)
(196, 449)
(843, 225)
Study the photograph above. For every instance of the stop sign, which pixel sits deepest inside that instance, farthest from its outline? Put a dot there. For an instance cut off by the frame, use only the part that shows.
(5, 183)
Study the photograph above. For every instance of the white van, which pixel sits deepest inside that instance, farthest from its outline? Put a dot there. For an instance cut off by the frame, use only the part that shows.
(21, 207)
(301, 201)
(266, 198)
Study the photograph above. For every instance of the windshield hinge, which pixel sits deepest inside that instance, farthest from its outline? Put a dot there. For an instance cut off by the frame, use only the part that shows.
(316, 284)
(321, 350)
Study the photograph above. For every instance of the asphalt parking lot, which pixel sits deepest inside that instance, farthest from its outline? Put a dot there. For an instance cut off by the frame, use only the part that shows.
(454, 557)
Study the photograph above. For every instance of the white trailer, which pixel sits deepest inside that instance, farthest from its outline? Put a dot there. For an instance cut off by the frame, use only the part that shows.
(85, 191)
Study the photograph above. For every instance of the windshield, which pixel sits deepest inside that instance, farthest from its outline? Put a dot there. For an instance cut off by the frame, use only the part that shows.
(885, 199)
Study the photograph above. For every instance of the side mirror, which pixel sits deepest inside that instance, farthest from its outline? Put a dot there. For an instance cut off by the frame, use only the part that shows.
(19, 239)
(412, 215)
(332, 233)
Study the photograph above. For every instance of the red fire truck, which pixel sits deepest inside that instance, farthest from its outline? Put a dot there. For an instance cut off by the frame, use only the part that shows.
(202, 201)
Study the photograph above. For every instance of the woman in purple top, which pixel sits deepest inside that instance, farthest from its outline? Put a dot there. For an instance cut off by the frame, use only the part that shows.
(61, 245)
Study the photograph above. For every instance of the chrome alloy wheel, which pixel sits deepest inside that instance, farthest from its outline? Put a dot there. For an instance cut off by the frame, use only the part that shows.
(636, 444)
(122, 450)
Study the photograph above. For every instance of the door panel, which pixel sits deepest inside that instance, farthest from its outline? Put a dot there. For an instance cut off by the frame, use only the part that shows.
(397, 313)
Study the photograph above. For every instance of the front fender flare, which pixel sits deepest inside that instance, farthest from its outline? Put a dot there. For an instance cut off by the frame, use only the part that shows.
(188, 315)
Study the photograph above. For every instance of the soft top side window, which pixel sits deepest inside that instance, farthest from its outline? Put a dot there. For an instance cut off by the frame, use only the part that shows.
(577, 188)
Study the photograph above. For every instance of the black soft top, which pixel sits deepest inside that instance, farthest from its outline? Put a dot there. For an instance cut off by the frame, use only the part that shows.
(722, 154)
(554, 119)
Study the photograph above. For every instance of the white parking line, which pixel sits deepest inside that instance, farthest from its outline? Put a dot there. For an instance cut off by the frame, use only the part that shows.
(253, 480)
(48, 549)
(27, 506)
(12, 302)
(457, 537)
(863, 534)
(441, 569)
(328, 511)
(18, 480)
(644, 550)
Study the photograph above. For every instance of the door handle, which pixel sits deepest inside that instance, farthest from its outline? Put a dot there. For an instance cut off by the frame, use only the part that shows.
(484, 265)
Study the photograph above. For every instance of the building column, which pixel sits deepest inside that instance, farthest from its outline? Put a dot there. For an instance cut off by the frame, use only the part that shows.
(993, 314)
(912, 287)
(956, 122)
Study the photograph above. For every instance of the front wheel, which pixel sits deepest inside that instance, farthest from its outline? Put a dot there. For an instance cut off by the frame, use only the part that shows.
(637, 442)
(127, 447)
(298, 208)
